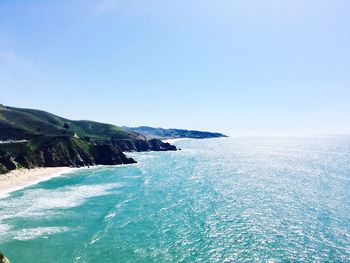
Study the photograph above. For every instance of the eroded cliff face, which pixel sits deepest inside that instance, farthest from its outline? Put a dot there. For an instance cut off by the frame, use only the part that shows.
(54, 151)
(143, 145)
(33, 138)
(59, 151)
(108, 154)
(6, 162)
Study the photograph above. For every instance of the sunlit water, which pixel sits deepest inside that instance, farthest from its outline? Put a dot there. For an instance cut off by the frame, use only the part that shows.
(218, 200)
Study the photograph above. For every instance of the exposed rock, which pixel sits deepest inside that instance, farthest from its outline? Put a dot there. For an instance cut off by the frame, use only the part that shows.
(3, 259)
(6, 162)
(34, 138)
(109, 154)
(143, 145)
(60, 151)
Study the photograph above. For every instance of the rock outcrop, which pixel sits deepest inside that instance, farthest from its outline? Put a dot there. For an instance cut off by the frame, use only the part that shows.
(59, 151)
(3, 259)
(143, 145)
(108, 154)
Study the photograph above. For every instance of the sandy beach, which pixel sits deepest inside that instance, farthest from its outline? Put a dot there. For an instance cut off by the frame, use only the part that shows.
(18, 179)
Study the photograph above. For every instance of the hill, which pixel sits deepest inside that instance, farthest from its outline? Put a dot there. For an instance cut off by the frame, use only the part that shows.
(17, 123)
(160, 133)
(34, 138)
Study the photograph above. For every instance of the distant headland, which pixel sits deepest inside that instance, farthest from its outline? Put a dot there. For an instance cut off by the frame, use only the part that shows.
(160, 133)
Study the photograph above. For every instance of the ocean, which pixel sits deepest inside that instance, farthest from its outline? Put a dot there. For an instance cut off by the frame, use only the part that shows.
(244, 199)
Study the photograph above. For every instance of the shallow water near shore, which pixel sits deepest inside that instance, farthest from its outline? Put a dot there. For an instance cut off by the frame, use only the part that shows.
(219, 200)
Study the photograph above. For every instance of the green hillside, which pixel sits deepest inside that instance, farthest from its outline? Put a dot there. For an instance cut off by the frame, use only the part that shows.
(17, 124)
(34, 138)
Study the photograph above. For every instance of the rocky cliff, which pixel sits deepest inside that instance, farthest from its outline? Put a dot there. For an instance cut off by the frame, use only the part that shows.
(33, 138)
(143, 145)
(59, 151)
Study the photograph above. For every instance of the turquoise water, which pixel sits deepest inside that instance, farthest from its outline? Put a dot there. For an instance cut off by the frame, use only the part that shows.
(218, 200)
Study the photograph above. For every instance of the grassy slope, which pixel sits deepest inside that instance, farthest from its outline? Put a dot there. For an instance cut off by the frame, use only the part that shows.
(17, 123)
(51, 141)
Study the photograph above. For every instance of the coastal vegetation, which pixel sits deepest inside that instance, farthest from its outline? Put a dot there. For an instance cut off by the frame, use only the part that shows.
(41, 139)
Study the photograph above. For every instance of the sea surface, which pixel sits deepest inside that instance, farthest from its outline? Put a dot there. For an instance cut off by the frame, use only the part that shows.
(244, 199)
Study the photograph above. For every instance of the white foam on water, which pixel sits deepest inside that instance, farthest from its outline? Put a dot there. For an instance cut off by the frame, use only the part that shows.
(36, 202)
(171, 141)
(39, 203)
(4, 230)
(94, 240)
(34, 233)
(110, 215)
(131, 177)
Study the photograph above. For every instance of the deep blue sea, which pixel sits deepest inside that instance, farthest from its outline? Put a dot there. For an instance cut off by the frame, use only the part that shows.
(244, 199)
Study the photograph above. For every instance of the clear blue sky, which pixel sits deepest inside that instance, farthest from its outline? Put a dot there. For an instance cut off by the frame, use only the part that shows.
(234, 66)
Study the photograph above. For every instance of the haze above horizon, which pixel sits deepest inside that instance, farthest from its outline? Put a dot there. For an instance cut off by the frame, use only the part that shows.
(247, 67)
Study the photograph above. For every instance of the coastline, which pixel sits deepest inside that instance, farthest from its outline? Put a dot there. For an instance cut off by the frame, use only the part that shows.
(21, 178)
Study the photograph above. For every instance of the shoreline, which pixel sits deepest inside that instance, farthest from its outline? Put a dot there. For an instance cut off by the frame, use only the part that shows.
(21, 178)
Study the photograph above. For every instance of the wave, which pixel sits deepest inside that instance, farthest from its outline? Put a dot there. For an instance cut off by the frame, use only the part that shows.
(46, 203)
(33, 233)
